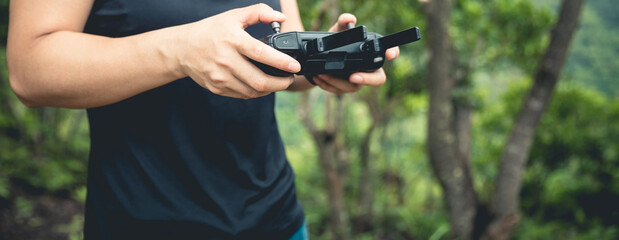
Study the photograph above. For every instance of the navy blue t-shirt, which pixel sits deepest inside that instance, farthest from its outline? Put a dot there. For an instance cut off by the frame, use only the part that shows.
(179, 162)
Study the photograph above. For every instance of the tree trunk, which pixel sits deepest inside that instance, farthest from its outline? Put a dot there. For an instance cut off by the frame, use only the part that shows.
(379, 113)
(331, 154)
(451, 170)
(463, 132)
(516, 151)
(366, 189)
(330, 163)
(334, 184)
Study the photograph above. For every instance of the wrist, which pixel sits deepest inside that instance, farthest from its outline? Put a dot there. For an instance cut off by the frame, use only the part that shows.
(169, 50)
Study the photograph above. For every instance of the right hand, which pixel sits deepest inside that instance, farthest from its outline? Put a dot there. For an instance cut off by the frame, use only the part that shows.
(214, 52)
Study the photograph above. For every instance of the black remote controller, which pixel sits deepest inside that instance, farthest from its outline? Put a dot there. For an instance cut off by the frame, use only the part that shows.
(339, 54)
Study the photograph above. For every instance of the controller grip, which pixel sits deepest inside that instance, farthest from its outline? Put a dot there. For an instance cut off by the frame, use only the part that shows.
(271, 70)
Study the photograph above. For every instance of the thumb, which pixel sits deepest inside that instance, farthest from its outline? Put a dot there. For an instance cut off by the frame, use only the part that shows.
(257, 13)
(342, 22)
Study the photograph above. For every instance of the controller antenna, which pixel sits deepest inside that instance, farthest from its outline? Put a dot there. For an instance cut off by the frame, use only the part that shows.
(276, 26)
(350, 25)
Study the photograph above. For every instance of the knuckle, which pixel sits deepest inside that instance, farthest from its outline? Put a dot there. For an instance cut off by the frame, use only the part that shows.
(253, 94)
(257, 50)
(263, 6)
(223, 63)
(260, 85)
(230, 38)
(217, 78)
(227, 39)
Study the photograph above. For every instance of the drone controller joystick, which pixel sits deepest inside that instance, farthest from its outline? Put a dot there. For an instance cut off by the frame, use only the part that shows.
(339, 54)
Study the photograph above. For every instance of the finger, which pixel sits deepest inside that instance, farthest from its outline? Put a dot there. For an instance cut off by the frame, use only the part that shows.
(392, 53)
(232, 78)
(326, 86)
(257, 80)
(341, 84)
(375, 78)
(258, 13)
(260, 52)
(342, 22)
(225, 84)
(236, 88)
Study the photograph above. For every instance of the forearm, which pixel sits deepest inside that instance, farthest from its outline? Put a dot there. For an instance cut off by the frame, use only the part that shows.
(78, 70)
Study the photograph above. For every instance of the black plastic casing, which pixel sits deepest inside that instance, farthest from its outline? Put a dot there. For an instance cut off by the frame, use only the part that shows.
(340, 62)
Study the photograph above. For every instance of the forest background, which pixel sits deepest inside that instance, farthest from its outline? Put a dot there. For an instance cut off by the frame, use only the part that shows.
(365, 163)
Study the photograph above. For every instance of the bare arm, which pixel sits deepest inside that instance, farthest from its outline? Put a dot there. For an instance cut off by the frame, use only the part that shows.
(52, 63)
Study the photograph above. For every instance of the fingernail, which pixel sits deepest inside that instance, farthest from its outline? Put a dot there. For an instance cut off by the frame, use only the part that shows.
(356, 79)
(278, 15)
(294, 67)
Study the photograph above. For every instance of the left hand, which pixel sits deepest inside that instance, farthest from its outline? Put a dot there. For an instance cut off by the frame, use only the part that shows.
(356, 80)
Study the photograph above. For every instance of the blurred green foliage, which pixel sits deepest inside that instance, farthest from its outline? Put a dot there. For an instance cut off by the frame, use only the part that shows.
(571, 185)
(593, 57)
(570, 189)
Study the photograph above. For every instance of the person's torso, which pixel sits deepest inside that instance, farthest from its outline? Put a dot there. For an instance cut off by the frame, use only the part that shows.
(179, 162)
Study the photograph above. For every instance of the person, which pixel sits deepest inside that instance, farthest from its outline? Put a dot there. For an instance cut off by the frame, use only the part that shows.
(184, 141)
